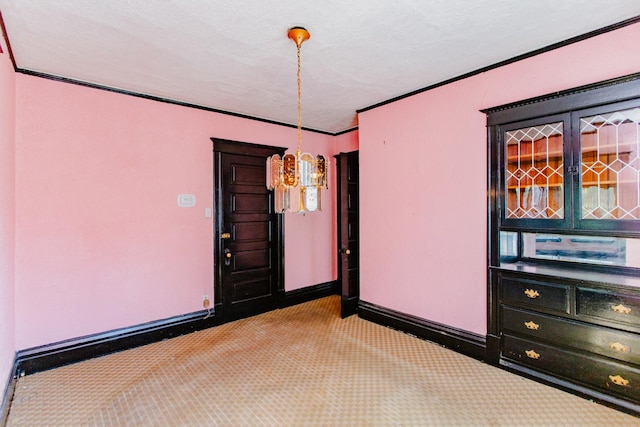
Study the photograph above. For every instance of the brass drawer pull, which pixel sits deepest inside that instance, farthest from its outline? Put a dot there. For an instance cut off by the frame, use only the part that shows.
(533, 355)
(618, 347)
(532, 325)
(531, 293)
(621, 309)
(618, 380)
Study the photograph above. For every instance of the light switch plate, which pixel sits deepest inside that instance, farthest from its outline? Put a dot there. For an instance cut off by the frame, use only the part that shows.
(186, 200)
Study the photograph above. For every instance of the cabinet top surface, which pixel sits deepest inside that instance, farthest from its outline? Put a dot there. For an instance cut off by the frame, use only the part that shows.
(571, 273)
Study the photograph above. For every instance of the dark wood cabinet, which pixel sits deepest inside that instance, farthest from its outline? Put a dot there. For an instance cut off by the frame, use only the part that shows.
(584, 333)
(564, 240)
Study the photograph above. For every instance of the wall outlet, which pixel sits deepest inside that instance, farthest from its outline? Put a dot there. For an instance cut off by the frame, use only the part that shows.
(205, 301)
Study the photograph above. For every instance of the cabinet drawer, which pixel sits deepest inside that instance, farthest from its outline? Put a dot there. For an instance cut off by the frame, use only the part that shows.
(604, 341)
(608, 305)
(530, 293)
(605, 375)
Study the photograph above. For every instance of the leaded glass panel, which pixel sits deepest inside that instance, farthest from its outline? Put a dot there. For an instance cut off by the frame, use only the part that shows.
(534, 173)
(610, 165)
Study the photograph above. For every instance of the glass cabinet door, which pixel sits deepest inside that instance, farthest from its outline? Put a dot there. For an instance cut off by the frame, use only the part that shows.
(564, 179)
(534, 175)
(610, 165)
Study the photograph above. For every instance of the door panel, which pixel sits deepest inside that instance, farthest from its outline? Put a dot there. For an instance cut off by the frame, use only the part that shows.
(249, 203)
(249, 244)
(250, 231)
(251, 260)
(348, 232)
(243, 291)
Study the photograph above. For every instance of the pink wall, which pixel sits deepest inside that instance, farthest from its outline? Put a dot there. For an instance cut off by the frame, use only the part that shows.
(100, 241)
(347, 142)
(423, 179)
(101, 244)
(7, 219)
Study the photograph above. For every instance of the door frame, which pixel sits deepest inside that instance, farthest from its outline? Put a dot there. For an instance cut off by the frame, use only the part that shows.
(349, 300)
(242, 148)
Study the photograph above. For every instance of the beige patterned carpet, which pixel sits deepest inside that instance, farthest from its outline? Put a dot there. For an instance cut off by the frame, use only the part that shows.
(300, 366)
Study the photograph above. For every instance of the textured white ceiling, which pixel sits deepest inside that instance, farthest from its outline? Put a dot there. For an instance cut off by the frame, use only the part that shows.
(233, 55)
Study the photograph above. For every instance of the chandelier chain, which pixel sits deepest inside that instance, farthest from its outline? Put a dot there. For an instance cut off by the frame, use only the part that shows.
(299, 102)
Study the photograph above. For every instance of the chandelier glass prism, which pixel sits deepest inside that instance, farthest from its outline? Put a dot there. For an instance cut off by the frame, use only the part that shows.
(297, 179)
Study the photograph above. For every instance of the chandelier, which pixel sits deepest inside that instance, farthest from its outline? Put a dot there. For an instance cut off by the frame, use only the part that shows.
(297, 179)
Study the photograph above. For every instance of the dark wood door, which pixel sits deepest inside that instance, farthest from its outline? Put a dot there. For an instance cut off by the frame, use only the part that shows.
(348, 232)
(248, 235)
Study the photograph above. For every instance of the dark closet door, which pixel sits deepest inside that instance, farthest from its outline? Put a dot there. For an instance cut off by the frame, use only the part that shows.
(248, 233)
(348, 232)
